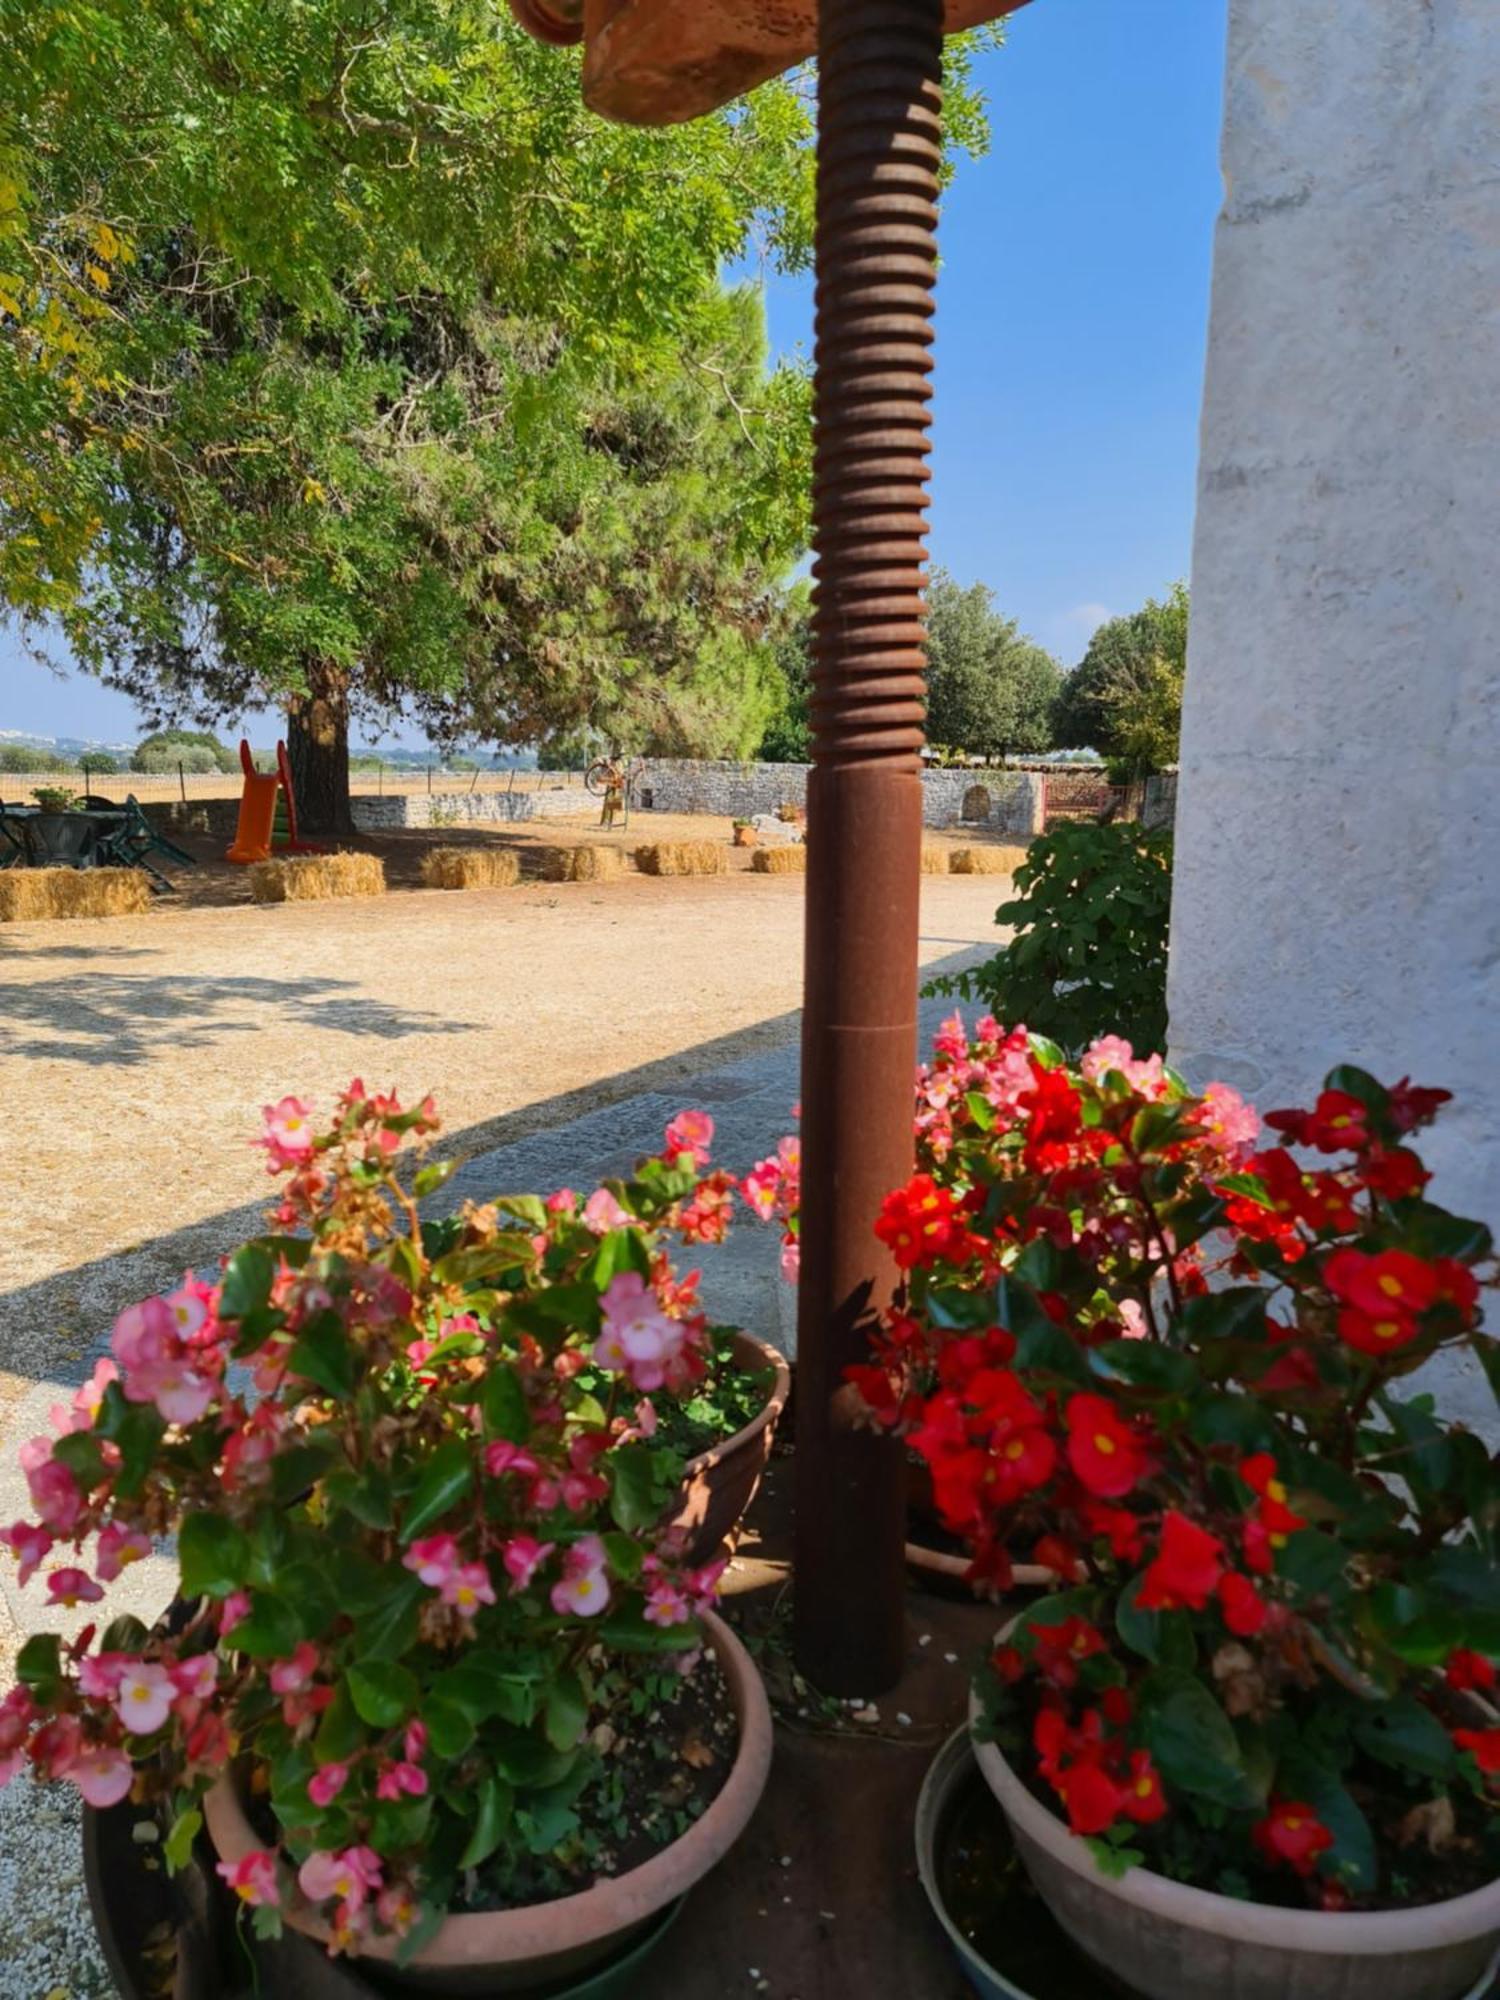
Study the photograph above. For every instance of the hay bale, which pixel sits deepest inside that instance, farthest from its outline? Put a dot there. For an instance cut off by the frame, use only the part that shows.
(26, 893)
(581, 864)
(471, 868)
(987, 860)
(317, 878)
(682, 857)
(779, 861)
(934, 858)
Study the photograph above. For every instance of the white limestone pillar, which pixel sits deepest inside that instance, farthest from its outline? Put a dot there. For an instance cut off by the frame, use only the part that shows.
(1337, 891)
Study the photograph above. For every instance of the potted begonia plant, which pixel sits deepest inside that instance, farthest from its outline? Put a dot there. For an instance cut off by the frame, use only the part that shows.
(442, 1682)
(1245, 1743)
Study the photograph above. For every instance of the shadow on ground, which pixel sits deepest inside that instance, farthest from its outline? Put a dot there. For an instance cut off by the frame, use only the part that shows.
(111, 1018)
(90, 1295)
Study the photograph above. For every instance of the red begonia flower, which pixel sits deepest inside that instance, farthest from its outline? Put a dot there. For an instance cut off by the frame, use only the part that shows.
(1292, 1834)
(1103, 1450)
(1189, 1562)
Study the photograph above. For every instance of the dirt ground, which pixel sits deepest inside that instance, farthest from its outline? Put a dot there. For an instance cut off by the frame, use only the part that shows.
(216, 883)
(135, 1053)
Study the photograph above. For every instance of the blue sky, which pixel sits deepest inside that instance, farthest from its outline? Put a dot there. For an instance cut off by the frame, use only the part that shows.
(1071, 321)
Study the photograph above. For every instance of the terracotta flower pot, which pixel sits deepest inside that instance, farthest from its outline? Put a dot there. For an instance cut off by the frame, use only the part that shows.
(1176, 1943)
(508, 1951)
(718, 1485)
(744, 836)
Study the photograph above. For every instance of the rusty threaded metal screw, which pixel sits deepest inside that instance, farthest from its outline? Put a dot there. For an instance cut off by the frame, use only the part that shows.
(879, 138)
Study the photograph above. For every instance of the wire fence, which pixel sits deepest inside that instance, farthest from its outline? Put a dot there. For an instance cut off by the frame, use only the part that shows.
(160, 787)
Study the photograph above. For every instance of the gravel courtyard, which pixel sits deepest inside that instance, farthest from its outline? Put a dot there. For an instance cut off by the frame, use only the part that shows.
(136, 1053)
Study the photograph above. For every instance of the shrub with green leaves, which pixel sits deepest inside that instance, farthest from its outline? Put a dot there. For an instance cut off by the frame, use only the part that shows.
(1089, 956)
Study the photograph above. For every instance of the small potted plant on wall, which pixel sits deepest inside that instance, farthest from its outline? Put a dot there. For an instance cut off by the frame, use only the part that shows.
(1246, 1741)
(437, 1650)
(744, 832)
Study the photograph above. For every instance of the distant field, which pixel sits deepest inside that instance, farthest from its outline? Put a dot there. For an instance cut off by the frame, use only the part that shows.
(157, 787)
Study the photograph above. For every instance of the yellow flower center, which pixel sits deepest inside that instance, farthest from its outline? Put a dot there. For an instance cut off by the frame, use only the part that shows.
(1143, 1788)
(1105, 1443)
(1015, 1449)
(1389, 1285)
(1275, 1490)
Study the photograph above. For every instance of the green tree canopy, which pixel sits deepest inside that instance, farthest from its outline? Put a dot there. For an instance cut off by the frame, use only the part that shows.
(194, 749)
(788, 737)
(1124, 698)
(990, 691)
(351, 360)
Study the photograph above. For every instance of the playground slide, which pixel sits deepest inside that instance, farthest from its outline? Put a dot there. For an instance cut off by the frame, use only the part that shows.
(252, 833)
(256, 833)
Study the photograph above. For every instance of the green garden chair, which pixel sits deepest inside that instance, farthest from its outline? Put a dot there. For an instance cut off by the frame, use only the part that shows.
(132, 842)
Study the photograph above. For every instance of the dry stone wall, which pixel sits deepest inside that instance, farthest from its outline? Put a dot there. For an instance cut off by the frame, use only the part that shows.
(741, 791)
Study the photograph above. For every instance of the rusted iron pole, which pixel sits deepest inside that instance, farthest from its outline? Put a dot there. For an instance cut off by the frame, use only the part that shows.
(879, 114)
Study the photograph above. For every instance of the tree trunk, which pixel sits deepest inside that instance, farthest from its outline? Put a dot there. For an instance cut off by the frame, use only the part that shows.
(317, 745)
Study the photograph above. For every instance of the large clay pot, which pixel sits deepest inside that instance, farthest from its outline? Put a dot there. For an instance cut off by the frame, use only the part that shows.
(1172, 1942)
(509, 1951)
(718, 1485)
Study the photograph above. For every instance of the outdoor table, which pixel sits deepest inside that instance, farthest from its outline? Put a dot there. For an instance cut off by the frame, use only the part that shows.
(13, 824)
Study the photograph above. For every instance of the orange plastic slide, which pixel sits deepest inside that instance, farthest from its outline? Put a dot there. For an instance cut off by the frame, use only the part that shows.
(252, 834)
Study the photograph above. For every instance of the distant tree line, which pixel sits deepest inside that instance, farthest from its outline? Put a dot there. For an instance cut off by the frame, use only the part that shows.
(993, 693)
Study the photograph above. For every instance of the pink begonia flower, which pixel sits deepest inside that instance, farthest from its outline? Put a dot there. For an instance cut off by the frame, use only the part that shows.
(53, 1489)
(119, 1547)
(952, 1038)
(73, 1586)
(196, 1678)
(645, 1418)
(99, 1674)
(702, 1584)
(562, 1202)
(396, 1908)
(398, 1779)
(1145, 1073)
(790, 1262)
(602, 1213)
(103, 1775)
(253, 1878)
(17, 1713)
(178, 1390)
(467, 1586)
(434, 1559)
(189, 1310)
(145, 1697)
(414, 1743)
(502, 1456)
(56, 1745)
(292, 1675)
(30, 1544)
(1133, 1319)
(143, 1335)
(638, 1332)
(692, 1133)
(325, 1784)
(1232, 1122)
(288, 1136)
(523, 1556)
(583, 1590)
(87, 1399)
(233, 1611)
(351, 1875)
(666, 1605)
(460, 1323)
(418, 1351)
